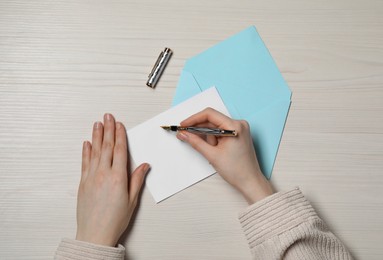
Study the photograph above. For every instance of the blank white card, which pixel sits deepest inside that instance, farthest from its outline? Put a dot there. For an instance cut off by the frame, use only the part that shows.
(175, 165)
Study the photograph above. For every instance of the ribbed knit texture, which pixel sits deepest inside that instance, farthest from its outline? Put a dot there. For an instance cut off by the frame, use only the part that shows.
(79, 250)
(285, 226)
(281, 226)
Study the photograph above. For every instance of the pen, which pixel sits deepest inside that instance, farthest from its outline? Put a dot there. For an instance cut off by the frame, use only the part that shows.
(159, 67)
(201, 130)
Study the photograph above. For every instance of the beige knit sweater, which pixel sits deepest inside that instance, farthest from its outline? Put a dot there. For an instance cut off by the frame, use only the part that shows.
(281, 226)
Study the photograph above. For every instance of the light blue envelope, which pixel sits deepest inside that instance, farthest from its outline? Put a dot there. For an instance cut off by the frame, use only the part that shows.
(250, 85)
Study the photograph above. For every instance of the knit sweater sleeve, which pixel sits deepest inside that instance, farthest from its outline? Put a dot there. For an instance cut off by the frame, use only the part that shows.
(70, 249)
(284, 225)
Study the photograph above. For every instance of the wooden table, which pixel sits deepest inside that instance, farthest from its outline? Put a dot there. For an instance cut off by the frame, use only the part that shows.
(63, 64)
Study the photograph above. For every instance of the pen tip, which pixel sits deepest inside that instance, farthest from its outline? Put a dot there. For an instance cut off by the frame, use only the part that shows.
(165, 127)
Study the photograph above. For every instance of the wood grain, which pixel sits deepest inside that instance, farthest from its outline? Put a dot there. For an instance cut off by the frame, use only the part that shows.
(63, 64)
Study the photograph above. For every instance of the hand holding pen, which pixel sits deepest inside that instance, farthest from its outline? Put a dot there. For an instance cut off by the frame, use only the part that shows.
(233, 158)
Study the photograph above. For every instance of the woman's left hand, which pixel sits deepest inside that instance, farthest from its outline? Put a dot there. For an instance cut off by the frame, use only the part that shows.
(108, 194)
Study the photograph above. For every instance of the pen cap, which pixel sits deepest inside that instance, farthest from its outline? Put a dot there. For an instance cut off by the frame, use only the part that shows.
(159, 67)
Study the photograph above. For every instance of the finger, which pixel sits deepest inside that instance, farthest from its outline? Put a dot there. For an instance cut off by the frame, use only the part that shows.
(97, 135)
(198, 144)
(86, 155)
(108, 141)
(136, 180)
(208, 115)
(120, 153)
(212, 140)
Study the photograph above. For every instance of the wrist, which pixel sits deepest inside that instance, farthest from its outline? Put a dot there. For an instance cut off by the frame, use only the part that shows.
(256, 189)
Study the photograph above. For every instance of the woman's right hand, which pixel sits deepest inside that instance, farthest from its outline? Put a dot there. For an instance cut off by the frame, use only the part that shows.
(234, 158)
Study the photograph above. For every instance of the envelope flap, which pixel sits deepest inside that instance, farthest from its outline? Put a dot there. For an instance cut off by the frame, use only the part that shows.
(242, 70)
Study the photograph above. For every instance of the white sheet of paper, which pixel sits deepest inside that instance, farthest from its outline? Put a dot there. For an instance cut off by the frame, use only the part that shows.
(175, 165)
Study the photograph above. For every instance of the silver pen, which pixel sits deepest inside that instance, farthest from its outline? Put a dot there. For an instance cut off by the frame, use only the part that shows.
(201, 130)
(159, 67)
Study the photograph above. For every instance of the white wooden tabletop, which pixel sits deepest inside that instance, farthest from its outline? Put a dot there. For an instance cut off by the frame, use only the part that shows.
(63, 64)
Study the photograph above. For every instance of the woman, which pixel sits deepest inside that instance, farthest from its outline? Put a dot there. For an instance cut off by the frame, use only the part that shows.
(279, 225)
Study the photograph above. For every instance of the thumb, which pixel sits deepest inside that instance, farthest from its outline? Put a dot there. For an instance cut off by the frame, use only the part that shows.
(197, 143)
(137, 179)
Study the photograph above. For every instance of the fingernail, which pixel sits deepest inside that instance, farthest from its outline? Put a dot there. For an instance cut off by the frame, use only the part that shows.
(85, 144)
(118, 125)
(182, 136)
(108, 116)
(146, 168)
(97, 125)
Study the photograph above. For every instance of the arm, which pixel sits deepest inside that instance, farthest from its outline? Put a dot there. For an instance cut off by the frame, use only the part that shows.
(277, 225)
(107, 195)
(284, 225)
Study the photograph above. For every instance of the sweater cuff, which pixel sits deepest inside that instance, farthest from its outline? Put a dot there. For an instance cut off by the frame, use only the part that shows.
(275, 215)
(75, 249)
